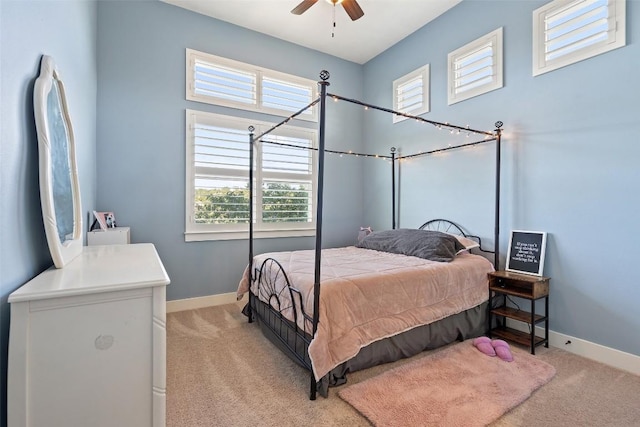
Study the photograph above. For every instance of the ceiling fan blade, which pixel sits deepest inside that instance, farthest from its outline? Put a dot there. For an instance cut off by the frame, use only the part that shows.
(353, 9)
(302, 7)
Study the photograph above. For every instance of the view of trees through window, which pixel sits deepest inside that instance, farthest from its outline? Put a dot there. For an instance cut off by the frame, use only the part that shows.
(282, 202)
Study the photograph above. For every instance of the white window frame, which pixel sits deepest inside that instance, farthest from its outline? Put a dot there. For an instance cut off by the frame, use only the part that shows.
(493, 40)
(260, 74)
(422, 73)
(201, 232)
(616, 34)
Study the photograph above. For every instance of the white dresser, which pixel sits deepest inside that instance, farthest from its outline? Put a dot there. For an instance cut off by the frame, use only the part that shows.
(87, 343)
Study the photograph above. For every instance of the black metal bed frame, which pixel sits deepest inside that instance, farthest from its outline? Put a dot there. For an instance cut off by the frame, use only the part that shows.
(287, 334)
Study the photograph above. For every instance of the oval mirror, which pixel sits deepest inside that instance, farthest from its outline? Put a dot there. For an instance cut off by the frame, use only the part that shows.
(59, 187)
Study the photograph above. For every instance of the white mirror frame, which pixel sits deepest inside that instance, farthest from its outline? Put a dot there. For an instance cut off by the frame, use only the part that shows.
(62, 251)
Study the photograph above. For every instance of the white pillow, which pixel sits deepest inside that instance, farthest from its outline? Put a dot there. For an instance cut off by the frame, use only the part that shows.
(466, 242)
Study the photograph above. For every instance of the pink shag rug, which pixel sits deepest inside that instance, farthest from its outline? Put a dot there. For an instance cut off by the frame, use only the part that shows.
(457, 386)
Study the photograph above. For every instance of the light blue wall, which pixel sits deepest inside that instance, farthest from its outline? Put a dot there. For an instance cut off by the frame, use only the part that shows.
(570, 161)
(141, 135)
(28, 29)
(569, 157)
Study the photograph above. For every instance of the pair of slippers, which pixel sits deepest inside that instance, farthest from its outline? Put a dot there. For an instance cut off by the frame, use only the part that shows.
(493, 348)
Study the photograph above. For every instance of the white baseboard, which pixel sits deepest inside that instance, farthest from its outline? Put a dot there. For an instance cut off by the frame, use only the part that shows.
(200, 302)
(607, 355)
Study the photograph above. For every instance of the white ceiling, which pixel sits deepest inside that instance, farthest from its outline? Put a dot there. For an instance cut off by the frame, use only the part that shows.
(385, 22)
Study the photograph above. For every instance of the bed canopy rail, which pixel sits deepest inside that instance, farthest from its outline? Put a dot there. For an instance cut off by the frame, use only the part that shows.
(394, 157)
(439, 125)
(489, 136)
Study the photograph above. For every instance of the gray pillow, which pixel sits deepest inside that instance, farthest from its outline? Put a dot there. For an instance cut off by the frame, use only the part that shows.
(427, 244)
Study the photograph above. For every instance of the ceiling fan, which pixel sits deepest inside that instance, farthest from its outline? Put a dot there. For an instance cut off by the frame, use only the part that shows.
(350, 6)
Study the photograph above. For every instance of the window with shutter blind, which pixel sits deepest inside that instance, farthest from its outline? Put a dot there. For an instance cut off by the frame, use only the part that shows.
(569, 31)
(411, 93)
(217, 202)
(221, 81)
(475, 68)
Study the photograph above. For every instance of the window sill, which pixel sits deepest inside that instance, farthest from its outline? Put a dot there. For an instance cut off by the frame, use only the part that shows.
(202, 236)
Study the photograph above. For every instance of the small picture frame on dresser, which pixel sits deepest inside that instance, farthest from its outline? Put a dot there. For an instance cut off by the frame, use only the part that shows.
(105, 220)
(526, 252)
(110, 219)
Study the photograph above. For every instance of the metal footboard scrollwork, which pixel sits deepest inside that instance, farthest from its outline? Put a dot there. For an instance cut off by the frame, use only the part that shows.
(279, 309)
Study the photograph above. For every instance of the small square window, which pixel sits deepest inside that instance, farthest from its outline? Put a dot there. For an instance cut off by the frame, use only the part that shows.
(568, 31)
(411, 94)
(475, 68)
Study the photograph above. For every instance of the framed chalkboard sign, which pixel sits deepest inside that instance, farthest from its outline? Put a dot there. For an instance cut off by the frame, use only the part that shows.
(526, 252)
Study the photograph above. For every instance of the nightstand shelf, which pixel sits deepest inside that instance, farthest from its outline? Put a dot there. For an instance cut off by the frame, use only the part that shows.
(532, 288)
(514, 313)
(522, 338)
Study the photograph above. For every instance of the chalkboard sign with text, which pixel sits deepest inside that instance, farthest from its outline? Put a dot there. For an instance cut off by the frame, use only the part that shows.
(526, 252)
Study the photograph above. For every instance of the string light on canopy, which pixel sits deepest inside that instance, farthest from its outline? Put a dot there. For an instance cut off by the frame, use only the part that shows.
(453, 129)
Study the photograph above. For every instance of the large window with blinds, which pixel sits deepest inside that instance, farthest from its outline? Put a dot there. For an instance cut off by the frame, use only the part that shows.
(568, 31)
(217, 175)
(475, 68)
(221, 81)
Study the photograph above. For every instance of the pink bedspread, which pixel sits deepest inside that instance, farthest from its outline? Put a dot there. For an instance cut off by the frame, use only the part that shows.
(368, 295)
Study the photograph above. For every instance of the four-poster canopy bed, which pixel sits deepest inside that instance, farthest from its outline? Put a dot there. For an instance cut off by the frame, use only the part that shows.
(388, 298)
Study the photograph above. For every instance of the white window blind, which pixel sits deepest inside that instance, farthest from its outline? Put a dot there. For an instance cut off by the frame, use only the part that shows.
(217, 190)
(568, 31)
(281, 95)
(411, 93)
(475, 68)
(224, 83)
(221, 81)
(287, 188)
(220, 179)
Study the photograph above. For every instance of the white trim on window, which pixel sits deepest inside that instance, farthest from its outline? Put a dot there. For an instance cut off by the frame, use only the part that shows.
(475, 68)
(411, 93)
(221, 81)
(569, 31)
(217, 174)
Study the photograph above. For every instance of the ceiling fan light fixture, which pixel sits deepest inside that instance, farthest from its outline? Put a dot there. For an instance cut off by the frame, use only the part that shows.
(352, 7)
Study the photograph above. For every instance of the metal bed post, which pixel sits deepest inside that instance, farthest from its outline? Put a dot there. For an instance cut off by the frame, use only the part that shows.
(496, 244)
(393, 188)
(251, 129)
(324, 76)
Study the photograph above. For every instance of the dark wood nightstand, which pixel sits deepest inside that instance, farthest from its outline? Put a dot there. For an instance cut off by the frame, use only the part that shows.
(532, 288)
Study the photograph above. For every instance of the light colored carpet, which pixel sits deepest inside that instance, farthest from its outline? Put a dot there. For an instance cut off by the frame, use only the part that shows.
(458, 386)
(221, 371)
